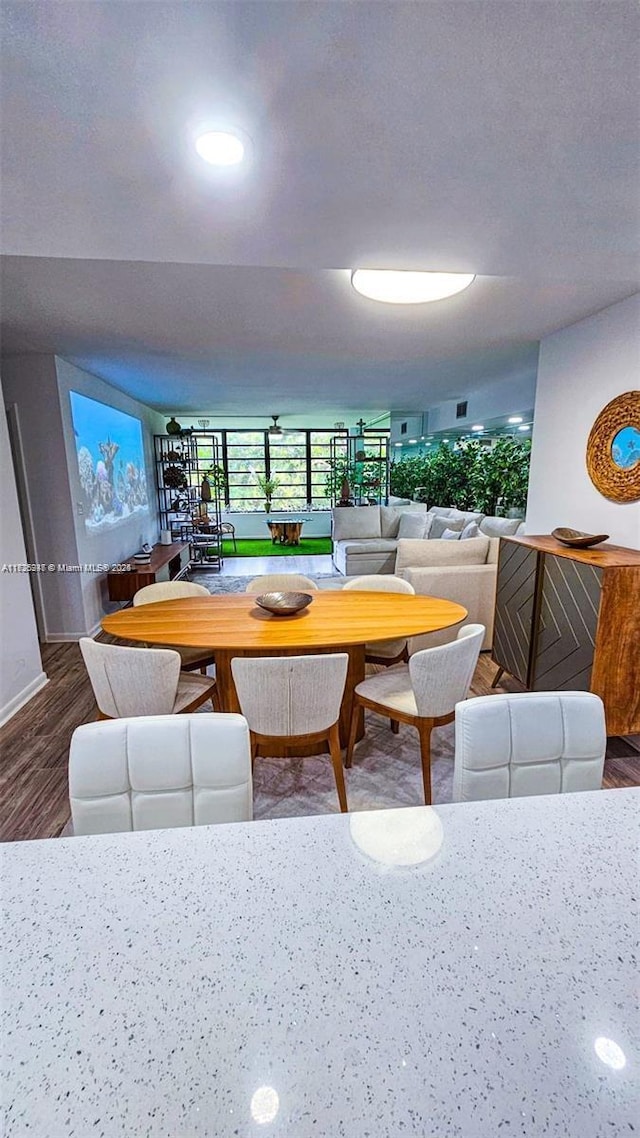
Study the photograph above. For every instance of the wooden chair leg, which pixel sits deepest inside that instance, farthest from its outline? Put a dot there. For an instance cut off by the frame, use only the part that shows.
(336, 759)
(498, 676)
(253, 747)
(353, 731)
(395, 726)
(425, 727)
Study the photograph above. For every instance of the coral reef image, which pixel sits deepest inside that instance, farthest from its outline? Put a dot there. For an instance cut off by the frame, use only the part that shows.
(111, 468)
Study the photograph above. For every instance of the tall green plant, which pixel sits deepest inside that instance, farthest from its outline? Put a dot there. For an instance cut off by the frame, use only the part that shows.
(469, 476)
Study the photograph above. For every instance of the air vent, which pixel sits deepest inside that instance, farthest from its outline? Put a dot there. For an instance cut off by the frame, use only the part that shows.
(403, 428)
(461, 410)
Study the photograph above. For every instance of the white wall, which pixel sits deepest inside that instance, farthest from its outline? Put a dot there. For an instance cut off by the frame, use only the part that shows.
(31, 387)
(580, 369)
(21, 674)
(38, 386)
(317, 523)
(510, 396)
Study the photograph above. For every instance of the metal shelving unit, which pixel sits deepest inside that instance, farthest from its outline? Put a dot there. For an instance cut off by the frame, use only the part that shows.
(189, 480)
(364, 457)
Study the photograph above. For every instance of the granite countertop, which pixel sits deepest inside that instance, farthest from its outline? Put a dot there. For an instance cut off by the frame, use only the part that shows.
(274, 978)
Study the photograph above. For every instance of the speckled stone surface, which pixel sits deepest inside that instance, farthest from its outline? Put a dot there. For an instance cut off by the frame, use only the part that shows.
(272, 979)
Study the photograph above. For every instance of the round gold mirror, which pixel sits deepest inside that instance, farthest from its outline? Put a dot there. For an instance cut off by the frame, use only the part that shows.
(613, 449)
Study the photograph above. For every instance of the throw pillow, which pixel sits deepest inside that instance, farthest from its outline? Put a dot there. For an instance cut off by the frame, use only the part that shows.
(422, 554)
(465, 516)
(355, 522)
(439, 525)
(411, 525)
(500, 527)
(452, 535)
(390, 517)
(470, 530)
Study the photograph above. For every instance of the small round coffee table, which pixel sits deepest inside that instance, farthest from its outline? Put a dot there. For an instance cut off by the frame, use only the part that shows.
(285, 533)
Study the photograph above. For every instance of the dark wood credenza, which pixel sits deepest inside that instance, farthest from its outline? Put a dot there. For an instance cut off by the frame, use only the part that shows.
(168, 563)
(569, 619)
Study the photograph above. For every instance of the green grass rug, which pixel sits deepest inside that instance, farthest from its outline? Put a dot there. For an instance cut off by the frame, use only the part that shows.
(248, 547)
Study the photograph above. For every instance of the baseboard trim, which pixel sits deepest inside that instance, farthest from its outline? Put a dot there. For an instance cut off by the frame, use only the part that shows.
(70, 637)
(18, 701)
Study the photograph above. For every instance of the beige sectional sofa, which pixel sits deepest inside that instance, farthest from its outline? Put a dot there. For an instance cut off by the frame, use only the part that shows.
(461, 571)
(365, 538)
(369, 539)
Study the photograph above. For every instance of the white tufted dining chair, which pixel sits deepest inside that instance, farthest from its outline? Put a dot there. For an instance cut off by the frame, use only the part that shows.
(382, 651)
(152, 772)
(141, 681)
(191, 658)
(423, 692)
(294, 699)
(529, 743)
(282, 583)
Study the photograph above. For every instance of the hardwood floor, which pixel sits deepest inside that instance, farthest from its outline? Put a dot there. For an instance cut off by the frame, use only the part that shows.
(34, 746)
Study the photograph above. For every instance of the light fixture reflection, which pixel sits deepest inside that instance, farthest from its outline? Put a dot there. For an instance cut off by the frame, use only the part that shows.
(265, 1104)
(478, 427)
(514, 419)
(393, 286)
(220, 148)
(397, 837)
(525, 427)
(610, 1053)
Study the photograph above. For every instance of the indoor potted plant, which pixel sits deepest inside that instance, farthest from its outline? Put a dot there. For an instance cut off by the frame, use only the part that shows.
(268, 486)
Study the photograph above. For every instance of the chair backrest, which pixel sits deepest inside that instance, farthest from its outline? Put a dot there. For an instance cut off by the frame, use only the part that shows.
(156, 771)
(131, 681)
(440, 677)
(290, 695)
(282, 583)
(529, 743)
(169, 591)
(379, 583)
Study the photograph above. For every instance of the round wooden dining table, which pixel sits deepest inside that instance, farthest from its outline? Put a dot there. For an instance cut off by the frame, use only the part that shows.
(335, 621)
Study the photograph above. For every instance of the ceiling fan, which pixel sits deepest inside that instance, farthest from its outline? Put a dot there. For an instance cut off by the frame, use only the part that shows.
(275, 432)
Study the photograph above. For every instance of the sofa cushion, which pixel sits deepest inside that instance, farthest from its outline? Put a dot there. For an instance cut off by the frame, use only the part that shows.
(356, 521)
(452, 535)
(470, 530)
(439, 525)
(439, 511)
(415, 554)
(466, 515)
(390, 516)
(352, 546)
(412, 525)
(398, 501)
(500, 527)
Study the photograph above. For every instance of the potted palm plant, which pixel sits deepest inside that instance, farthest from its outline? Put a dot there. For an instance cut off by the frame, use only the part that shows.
(268, 486)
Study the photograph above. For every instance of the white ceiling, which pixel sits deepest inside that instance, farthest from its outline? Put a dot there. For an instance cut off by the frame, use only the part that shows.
(495, 137)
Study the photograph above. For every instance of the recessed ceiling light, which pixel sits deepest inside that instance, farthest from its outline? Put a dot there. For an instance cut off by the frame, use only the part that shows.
(412, 441)
(398, 444)
(220, 148)
(445, 440)
(477, 427)
(610, 1053)
(393, 286)
(525, 427)
(514, 419)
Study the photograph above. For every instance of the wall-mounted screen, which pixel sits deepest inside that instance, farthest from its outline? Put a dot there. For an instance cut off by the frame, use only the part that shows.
(110, 452)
